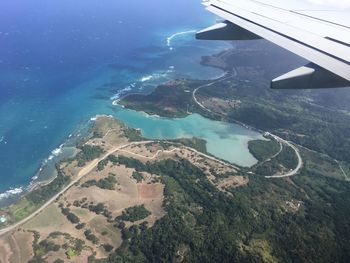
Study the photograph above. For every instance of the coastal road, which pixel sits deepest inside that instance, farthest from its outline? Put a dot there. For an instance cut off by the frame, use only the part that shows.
(280, 140)
(208, 85)
(87, 169)
(296, 150)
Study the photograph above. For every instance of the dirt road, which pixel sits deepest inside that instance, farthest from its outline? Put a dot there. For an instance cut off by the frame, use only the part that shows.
(87, 169)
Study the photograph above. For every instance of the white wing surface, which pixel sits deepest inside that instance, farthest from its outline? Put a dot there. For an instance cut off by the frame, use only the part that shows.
(320, 34)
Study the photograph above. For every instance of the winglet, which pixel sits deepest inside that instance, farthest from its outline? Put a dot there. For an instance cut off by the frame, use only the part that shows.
(226, 31)
(310, 76)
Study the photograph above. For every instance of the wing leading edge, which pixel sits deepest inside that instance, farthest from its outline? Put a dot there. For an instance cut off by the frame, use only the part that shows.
(318, 35)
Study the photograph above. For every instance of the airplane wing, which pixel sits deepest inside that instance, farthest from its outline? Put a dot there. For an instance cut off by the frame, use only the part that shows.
(317, 33)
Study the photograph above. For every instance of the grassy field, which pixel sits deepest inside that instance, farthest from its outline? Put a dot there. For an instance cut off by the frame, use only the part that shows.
(50, 216)
(21, 210)
(322, 164)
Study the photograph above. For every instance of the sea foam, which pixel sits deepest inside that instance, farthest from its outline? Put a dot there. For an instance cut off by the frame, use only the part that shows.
(170, 39)
(11, 192)
(147, 78)
(57, 151)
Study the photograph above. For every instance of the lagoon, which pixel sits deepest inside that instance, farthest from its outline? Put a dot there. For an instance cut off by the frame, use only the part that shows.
(226, 141)
(62, 63)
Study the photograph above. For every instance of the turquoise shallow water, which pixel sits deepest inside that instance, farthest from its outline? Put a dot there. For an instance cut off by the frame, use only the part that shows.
(224, 140)
(62, 63)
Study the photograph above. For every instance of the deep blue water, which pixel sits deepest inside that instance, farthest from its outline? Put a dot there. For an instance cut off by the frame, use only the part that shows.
(62, 61)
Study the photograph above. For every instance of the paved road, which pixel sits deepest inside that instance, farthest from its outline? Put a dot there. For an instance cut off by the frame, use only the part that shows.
(342, 170)
(208, 85)
(273, 156)
(280, 140)
(296, 150)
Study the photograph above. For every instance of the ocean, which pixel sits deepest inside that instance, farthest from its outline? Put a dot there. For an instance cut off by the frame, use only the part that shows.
(63, 62)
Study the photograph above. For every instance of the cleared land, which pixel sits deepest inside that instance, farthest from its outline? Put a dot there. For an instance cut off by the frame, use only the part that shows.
(82, 219)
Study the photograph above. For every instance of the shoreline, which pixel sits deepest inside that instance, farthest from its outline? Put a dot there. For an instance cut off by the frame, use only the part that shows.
(13, 195)
(89, 166)
(36, 183)
(42, 177)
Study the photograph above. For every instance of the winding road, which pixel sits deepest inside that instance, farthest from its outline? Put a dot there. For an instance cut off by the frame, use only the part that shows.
(88, 168)
(280, 140)
(208, 85)
(296, 150)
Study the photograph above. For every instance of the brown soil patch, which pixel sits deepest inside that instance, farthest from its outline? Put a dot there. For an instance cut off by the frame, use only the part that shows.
(126, 193)
(232, 181)
(16, 247)
(5, 251)
(220, 106)
(149, 191)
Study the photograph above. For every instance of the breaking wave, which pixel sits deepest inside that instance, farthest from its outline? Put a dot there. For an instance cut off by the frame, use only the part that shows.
(170, 39)
(11, 192)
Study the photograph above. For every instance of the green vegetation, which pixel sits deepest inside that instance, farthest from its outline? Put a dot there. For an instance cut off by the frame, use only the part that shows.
(263, 150)
(33, 200)
(98, 209)
(40, 195)
(304, 218)
(44, 247)
(80, 226)
(89, 183)
(318, 120)
(70, 216)
(105, 183)
(72, 246)
(87, 154)
(90, 236)
(134, 213)
(252, 225)
(43, 193)
(128, 162)
(71, 253)
(286, 160)
(137, 176)
(73, 218)
(321, 163)
(295, 117)
(102, 164)
(194, 143)
(21, 210)
(169, 100)
(133, 134)
(108, 247)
